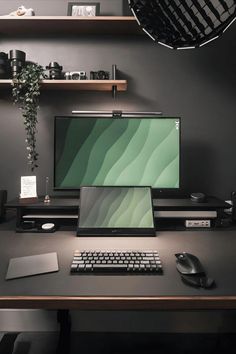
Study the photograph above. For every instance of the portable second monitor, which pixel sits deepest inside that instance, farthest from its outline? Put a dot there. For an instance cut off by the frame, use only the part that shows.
(137, 151)
(116, 211)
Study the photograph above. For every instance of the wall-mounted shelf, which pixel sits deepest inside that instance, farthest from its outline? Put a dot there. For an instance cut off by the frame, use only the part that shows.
(80, 85)
(68, 25)
(64, 25)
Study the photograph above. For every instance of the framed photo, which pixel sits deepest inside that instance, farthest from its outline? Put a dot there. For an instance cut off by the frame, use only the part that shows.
(83, 8)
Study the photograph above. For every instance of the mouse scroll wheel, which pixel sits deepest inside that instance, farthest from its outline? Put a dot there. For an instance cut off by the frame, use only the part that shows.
(180, 256)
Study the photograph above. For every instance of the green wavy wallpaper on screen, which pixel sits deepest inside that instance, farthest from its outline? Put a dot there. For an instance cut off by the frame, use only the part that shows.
(117, 152)
(116, 207)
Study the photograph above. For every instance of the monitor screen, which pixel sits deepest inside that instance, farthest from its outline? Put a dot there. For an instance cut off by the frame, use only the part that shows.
(116, 210)
(142, 151)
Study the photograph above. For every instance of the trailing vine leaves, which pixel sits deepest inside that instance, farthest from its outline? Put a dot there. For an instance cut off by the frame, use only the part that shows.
(26, 92)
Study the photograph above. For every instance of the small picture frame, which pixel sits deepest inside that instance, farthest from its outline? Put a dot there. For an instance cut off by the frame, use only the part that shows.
(89, 9)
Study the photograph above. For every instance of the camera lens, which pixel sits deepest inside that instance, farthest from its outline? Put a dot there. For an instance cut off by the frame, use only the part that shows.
(75, 76)
(4, 67)
(101, 75)
(17, 61)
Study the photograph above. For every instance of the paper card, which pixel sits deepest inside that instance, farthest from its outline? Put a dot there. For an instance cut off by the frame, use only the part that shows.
(28, 187)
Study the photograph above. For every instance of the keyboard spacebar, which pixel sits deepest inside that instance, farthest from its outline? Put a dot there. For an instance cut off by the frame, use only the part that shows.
(110, 267)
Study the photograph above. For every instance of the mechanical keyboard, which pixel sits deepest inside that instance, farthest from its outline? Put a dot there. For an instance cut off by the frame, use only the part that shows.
(130, 261)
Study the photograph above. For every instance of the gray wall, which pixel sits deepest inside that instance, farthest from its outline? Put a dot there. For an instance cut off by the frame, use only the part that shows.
(198, 85)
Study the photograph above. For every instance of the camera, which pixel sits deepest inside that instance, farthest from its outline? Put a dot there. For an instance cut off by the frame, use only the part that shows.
(75, 75)
(55, 70)
(99, 75)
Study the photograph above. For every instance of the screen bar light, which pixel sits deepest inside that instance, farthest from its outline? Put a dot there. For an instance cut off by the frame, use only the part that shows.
(116, 113)
(184, 24)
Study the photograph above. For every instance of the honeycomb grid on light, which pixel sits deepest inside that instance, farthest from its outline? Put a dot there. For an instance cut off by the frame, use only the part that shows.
(184, 24)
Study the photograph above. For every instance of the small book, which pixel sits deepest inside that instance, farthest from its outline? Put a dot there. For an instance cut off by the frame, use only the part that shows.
(32, 265)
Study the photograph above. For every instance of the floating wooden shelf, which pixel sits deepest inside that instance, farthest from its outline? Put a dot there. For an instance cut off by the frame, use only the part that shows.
(82, 85)
(68, 25)
(64, 25)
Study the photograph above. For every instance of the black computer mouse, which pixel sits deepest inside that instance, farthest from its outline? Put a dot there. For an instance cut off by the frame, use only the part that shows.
(187, 263)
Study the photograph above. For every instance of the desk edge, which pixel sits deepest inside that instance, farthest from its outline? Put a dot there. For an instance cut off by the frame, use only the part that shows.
(119, 303)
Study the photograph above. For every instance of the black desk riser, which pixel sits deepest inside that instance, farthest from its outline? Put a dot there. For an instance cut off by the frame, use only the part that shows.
(64, 209)
(70, 203)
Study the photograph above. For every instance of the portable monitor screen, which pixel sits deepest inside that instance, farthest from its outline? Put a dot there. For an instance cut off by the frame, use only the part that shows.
(116, 211)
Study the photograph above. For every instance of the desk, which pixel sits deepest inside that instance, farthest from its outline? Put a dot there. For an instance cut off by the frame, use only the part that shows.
(60, 290)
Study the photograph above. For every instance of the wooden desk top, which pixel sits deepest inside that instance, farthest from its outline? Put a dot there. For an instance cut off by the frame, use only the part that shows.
(216, 250)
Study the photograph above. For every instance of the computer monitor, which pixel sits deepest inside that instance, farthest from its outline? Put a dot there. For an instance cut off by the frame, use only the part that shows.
(119, 211)
(127, 151)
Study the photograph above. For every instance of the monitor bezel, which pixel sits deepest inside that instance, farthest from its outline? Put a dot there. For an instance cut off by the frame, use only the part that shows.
(156, 192)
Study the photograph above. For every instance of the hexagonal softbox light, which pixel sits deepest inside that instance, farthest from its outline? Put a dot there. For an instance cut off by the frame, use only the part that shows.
(184, 24)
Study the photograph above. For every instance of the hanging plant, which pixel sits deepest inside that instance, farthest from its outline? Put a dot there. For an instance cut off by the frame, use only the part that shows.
(26, 92)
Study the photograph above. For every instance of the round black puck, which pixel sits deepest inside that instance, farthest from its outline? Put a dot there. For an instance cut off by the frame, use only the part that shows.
(198, 197)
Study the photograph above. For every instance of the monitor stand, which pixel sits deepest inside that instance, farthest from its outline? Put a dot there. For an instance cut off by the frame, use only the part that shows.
(63, 211)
